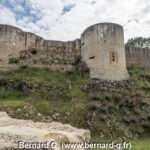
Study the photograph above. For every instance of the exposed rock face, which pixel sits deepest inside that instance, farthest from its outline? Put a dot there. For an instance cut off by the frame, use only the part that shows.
(13, 130)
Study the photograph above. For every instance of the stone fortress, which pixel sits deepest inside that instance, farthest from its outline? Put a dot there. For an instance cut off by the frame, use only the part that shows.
(101, 47)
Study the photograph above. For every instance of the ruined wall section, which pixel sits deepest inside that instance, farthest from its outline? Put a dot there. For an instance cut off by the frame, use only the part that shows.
(52, 54)
(18, 48)
(138, 56)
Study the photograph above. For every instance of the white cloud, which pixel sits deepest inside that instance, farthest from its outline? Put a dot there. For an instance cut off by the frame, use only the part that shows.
(19, 8)
(51, 23)
(7, 16)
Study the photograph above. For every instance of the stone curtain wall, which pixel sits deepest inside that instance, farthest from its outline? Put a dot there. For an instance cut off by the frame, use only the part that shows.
(138, 56)
(18, 48)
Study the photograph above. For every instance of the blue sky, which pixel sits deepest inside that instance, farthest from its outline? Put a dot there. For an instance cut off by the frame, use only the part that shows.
(66, 19)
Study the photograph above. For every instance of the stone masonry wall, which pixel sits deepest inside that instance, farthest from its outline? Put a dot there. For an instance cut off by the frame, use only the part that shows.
(103, 50)
(18, 47)
(138, 56)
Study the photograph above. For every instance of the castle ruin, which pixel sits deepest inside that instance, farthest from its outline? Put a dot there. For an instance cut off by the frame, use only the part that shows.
(101, 47)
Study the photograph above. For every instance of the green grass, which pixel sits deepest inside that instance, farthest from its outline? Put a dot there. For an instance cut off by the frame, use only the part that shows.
(12, 104)
(143, 144)
(61, 92)
(11, 95)
(43, 106)
(135, 76)
(11, 98)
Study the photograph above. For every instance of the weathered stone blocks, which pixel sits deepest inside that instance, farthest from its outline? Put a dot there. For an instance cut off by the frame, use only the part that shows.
(102, 48)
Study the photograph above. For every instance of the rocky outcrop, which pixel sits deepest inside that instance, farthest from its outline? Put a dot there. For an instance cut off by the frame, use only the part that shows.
(13, 131)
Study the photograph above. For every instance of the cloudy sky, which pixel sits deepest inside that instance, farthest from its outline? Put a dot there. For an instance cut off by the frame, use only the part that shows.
(66, 19)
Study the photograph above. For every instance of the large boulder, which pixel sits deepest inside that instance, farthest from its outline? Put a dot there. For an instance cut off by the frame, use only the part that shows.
(14, 133)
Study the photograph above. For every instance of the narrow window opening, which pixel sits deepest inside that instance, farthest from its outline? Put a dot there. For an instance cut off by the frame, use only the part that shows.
(92, 57)
(113, 57)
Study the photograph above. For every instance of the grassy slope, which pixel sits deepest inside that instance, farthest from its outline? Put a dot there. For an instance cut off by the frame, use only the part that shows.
(143, 144)
(62, 93)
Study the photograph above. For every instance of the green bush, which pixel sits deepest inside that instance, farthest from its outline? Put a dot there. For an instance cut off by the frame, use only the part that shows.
(23, 67)
(104, 109)
(13, 60)
(22, 57)
(102, 118)
(43, 106)
(126, 120)
(107, 98)
(146, 125)
(33, 51)
(133, 119)
(92, 107)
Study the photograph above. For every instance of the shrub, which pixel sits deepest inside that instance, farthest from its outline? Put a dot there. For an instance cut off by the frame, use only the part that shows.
(43, 107)
(33, 51)
(102, 117)
(22, 57)
(136, 111)
(133, 119)
(124, 101)
(70, 72)
(93, 96)
(146, 125)
(132, 104)
(138, 93)
(104, 109)
(117, 98)
(144, 117)
(107, 98)
(124, 111)
(92, 107)
(23, 67)
(140, 131)
(126, 119)
(111, 107)
(13, 60)
(148, 118)
(46, 69)
(77, 60)
(144, 103)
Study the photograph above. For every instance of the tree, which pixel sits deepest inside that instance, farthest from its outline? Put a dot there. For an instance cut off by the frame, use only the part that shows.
(139, 42)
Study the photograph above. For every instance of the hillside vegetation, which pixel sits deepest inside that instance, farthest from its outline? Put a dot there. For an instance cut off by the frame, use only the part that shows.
(46, 95)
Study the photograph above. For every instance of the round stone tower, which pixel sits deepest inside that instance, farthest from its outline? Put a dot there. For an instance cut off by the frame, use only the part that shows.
(102, 49)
